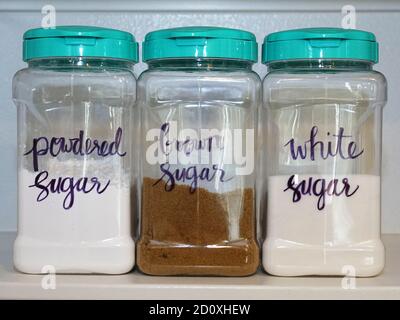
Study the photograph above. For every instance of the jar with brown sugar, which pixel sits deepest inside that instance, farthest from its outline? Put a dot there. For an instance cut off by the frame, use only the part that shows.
(198, 104)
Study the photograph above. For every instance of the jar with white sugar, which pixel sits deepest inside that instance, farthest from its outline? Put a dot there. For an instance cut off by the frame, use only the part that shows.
(75, 172)
(322, 156)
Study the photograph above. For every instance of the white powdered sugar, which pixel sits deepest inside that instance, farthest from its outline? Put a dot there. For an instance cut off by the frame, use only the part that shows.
(76, 217)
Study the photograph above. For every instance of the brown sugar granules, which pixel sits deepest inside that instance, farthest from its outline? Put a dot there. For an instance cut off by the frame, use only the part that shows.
(185, 233)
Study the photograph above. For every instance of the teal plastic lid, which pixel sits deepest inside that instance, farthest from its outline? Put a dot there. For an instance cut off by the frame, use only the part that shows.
(200, 42)
(79, 41)
(320, 43)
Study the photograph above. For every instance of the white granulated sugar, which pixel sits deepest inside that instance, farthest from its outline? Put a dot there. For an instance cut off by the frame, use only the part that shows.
(302, 240)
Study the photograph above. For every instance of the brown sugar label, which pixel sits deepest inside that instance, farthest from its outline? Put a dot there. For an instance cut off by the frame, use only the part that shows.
(210, 155)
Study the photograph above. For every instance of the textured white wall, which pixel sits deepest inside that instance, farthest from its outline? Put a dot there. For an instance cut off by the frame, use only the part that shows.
(385, 23)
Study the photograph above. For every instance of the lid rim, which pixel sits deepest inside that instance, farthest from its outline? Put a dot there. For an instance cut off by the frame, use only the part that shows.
(200, 42)
(78, 31)
(320, 33)
(324, 58)
(320, 43)
(199, 58)
(210, 32)
(80, 41)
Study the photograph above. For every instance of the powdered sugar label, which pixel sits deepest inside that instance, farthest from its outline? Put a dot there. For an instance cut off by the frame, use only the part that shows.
(78, 150)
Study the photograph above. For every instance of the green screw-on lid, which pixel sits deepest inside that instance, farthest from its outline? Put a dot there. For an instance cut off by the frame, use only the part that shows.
(320, 43)
(200, 42)
(79, 41)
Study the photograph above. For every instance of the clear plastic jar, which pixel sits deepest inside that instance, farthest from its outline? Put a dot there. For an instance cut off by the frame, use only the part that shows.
(198, 102)
(323, 113)
(74, 104)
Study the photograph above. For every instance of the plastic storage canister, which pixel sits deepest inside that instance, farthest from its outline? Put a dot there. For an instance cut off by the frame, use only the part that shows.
(198, 102)
(323, 108)
(74, 106)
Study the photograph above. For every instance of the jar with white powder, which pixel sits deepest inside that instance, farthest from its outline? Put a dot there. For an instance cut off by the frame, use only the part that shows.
(322, 155)
(75, 171)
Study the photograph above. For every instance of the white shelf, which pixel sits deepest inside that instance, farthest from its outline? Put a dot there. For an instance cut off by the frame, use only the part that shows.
(14, 285)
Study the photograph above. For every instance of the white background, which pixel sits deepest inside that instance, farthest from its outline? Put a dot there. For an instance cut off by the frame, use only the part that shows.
(259, 17)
